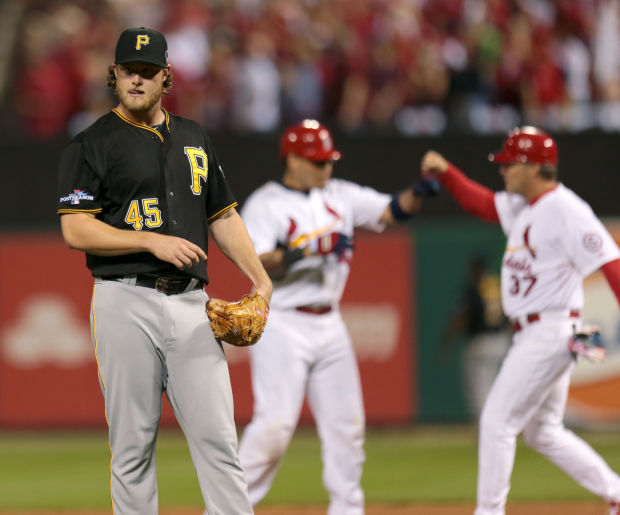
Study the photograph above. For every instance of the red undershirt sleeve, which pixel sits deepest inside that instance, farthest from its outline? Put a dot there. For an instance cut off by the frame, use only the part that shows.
(611, 271)
(470, 195)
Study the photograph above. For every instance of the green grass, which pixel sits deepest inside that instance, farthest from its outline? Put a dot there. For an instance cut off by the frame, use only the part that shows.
(71, 470)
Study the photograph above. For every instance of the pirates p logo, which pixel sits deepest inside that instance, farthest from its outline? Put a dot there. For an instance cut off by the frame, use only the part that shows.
(142, 39)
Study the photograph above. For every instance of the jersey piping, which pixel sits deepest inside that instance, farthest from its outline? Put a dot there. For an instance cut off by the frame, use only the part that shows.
(65, 211)
(142, 126)
(537, 198)
(123, 176)
(221, 212)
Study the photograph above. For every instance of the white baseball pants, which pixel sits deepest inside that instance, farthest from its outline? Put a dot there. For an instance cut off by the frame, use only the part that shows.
(303, 353)
(529, 395)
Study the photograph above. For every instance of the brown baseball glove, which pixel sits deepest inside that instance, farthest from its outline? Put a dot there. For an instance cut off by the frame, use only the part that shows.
(238, 323)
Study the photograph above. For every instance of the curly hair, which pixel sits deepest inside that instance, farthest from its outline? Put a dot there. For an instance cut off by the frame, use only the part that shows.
(111, 80)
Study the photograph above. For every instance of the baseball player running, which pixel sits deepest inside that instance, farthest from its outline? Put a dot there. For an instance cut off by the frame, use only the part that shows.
(139, 189)
(554, 241)
(302, 228)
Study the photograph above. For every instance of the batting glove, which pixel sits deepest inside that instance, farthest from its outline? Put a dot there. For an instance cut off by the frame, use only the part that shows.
(588, 343)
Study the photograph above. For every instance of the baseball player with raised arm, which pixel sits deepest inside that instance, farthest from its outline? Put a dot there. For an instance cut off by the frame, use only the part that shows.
(139, 191)
(554, 240)
(302, 228)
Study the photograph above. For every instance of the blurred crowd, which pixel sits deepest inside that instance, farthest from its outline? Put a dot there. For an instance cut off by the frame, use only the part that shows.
(403, 66)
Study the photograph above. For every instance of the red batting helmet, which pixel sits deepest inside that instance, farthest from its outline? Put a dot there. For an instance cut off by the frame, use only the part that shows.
(310, 140)
(527, 145)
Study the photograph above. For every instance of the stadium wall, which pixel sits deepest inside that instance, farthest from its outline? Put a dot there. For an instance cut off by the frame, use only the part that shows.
(47, 369)
(588, 164)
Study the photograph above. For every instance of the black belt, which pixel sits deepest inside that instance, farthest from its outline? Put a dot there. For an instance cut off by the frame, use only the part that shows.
(168, 284)
(315, 310)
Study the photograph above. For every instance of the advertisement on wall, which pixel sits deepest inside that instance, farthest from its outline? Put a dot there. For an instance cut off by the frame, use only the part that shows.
(48, 374)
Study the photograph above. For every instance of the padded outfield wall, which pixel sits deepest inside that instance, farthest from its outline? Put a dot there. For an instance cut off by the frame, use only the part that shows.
(404, 286)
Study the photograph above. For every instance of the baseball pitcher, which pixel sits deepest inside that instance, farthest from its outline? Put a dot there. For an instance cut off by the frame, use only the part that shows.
(139, 191)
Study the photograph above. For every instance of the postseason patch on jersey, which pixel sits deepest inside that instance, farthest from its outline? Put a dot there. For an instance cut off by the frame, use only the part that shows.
(77, 196)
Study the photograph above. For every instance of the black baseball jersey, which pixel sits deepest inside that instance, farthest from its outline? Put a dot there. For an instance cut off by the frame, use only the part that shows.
(140, 178)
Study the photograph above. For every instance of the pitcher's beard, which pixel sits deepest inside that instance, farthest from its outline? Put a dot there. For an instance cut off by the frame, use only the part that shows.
(139, 105)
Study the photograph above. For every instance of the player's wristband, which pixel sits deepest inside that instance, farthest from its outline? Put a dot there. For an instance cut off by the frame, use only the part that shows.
(290, 256)
(397, 211)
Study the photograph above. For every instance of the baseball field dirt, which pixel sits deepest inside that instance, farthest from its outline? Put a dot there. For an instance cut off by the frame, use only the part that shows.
(556, 508)
(539, 508)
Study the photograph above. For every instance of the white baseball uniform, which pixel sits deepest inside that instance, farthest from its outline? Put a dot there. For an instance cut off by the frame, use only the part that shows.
(553, 243)
(306, 348)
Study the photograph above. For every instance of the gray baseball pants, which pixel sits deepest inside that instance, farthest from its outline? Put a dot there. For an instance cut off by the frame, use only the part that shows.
(147, 343)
